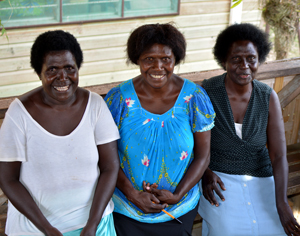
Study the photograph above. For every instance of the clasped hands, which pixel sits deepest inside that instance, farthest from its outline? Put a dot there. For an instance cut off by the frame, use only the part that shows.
(151, 199)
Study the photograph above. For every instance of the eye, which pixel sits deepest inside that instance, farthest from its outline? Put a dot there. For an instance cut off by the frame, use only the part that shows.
(236, 59)
(252, 58)
(166, 59)
(69, 68)
(51, 71)
(149, 58)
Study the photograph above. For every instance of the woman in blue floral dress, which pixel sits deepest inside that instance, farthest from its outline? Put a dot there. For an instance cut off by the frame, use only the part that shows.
(164, 123)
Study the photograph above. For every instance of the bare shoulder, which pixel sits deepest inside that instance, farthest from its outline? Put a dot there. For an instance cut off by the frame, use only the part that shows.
(32, 97)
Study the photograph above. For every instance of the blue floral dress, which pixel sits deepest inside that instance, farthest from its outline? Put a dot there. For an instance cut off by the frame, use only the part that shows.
(158, 148)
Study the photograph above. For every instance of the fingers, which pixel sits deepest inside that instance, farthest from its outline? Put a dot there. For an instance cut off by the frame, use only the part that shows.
(156, 191)
(218, 192)
(222, 185)
(154, 199)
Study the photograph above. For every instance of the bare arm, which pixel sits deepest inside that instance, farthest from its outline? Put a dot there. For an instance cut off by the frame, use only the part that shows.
(147, 202)
(277, 152)
(108, 165)
(21, 198)
(194, 172)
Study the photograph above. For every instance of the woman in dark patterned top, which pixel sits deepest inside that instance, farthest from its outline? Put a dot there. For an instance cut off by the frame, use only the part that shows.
(248, 117)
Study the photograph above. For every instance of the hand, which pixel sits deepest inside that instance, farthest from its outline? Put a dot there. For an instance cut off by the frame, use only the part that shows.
(289, 223)
(147, 202)
(164, 196)
(210, 183)
(53, 232)
(147, 187)
(89, 231)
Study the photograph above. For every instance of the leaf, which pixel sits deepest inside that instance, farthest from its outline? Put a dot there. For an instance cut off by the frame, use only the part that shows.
(237, 3)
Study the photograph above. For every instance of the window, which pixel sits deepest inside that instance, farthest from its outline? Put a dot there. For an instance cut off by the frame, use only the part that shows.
(14, 13)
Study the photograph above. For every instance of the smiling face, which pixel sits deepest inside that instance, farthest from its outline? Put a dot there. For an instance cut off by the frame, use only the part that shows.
(59, 76)
(242, 62)
(157, 65)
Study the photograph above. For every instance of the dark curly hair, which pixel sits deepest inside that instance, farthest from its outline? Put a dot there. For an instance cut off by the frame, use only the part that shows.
(236, 32)
(56, 40)
(145, 36)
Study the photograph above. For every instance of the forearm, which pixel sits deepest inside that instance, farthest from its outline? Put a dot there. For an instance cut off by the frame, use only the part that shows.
(104, 190)
(192, 176)
(280, 172)
(24, 203)
(124, 185)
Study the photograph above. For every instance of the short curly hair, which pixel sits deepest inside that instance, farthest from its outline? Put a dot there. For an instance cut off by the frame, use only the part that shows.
(57, 40)
(145, 36)
(237, 32)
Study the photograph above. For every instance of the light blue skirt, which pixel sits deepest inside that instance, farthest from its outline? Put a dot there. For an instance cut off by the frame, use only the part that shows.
(105, 228)
(249, 208)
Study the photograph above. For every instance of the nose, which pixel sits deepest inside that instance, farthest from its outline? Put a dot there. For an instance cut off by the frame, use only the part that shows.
(62, 75)
(158, 64)
(244, 64)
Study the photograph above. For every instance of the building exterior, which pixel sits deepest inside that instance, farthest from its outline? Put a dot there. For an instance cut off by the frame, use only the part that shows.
(103, 42)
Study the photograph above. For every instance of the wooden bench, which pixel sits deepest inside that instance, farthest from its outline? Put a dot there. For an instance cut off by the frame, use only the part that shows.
(273, 73)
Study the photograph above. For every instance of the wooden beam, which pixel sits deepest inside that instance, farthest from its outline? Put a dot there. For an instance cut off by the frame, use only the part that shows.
(290, 91)
(266, 71)
(278, 85)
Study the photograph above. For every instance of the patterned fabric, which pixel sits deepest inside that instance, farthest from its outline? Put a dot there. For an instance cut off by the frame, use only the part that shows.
(158, 148)
(229, 153)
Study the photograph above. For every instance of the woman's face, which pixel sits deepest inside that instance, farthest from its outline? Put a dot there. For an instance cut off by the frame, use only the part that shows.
(242, 62)
(157, 65)
(59, 76)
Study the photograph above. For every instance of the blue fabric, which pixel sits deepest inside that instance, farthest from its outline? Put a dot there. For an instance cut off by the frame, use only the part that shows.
(249, 208)
(105, 228)
(158, 148)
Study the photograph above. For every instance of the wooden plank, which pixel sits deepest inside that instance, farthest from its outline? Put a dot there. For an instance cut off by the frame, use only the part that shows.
(296, 121)
(293, 148)
(198, 8)
(293, 158)
(278, 84)
(106, 59)
(250, 5)
(293, 186)
(290, 91)
(294, 170)
(254, 15)
(19, 49)
(279, 68)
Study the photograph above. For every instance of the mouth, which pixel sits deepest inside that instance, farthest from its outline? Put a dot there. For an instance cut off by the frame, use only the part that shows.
(61, 88)
(245, 76)
(157, 76)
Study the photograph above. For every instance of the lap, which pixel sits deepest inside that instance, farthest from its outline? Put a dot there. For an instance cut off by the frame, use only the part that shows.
(126, 226)
(249, 208)
(105, 228)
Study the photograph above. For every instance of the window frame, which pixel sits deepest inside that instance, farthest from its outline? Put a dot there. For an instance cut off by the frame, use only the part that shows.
(93, 21)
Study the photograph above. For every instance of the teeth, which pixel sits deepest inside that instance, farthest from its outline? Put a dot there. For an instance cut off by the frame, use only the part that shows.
(157, 76)
(62, 89)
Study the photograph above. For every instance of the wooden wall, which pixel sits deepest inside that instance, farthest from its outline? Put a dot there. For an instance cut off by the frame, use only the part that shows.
(103, 44)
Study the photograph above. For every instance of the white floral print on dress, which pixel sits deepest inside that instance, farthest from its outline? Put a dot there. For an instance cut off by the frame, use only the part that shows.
(146, 121)
(145, 161)
(183, 155)
(129, 102)
(187, 98)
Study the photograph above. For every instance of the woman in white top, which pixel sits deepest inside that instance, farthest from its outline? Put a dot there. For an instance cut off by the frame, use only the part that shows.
(54, 143)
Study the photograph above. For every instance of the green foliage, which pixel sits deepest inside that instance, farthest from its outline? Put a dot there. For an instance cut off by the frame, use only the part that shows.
(236, 2)
(3, 31)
